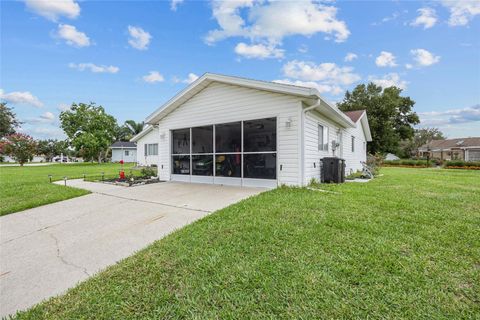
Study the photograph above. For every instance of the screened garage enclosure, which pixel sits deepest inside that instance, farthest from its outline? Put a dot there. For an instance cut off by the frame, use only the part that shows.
(226, 152)
(243, 132)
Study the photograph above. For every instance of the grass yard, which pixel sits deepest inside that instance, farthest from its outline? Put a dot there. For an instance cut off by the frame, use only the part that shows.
(406, 245)
(28, 187)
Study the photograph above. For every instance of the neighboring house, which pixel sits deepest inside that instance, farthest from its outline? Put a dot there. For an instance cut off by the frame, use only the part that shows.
(124, 150)
(236, 131)
(147, 146)
(391, 156)
(467, 149)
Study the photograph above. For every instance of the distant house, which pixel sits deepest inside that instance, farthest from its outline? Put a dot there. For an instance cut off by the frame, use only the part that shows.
(124, 150)
(467, 149)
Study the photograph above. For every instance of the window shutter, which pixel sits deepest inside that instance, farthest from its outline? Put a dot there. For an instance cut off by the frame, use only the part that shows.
(145, 149)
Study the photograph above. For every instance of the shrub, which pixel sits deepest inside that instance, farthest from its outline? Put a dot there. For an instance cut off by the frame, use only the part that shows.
(459, 164)
(149, 172)
(374, 162)
(409, 163)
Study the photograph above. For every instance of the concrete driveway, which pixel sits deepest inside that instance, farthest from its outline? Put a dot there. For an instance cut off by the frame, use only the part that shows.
(46, 250)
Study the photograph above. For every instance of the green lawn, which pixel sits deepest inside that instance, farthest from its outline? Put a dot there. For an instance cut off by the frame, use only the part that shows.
(406, 245)
(28, 187)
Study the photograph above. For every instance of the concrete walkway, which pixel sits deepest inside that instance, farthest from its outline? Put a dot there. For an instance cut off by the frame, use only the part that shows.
(46, 250)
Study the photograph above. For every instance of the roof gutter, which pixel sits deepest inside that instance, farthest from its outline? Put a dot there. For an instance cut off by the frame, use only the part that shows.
(302, 153)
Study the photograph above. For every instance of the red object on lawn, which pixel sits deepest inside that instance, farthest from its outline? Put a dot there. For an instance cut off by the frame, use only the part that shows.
(121, 161)
(122, 174)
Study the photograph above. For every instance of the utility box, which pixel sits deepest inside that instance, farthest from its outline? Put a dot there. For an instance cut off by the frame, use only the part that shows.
(333, 170)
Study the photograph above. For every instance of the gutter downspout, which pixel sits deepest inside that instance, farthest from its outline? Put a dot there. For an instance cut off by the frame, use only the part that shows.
(304, 112)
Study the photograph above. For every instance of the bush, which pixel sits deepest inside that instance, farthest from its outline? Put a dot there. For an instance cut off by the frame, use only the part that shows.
(374, 162)
(149, 172)
(409, 163)
(459, 164)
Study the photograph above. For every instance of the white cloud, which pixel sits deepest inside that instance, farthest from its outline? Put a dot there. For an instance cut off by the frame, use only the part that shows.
(174, 4)
(424, 58)
(389, 80)
(259, 51)
(303, 48)
(72, 36)
(46, 133)
(153, 76)
(139, 38)
(461, 12)
(94, 68)
(408, 66)
(52, 10)
(350, 57)
(63, 107)
(385, 59)
(322, 88)
(328, 72)
(190, 78)
(274, 20)
(18, 97)
(325, 77)
(452, 116)
(48, 116)
(427, 18)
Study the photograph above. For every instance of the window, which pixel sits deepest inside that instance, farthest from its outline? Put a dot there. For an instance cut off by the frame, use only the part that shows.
(127, 153)
(228, 137)
(323, 133)
(150, 149)
(260, 165)
(202, 139)
(228, 165)
(353, 144)
(260, 135)
(217, 150)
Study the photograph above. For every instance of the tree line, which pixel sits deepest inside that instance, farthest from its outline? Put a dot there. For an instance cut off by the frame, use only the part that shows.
(89, 130)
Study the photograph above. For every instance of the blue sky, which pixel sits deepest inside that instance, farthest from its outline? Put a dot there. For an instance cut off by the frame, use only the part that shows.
(130, 57)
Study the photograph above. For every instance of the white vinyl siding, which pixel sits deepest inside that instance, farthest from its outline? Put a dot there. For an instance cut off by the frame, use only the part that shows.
(314, 122)
(353, 160)
(144, 158)
(127, 155)
(222, 103)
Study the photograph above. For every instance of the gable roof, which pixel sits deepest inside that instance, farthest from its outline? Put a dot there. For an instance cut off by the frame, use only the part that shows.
(451, 143)
(309, 95)
(124, 145)
(145, 131)
(361, 115)
(354, 115)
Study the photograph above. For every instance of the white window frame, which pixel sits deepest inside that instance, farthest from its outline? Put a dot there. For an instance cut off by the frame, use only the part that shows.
(323, 134)
(151, 149)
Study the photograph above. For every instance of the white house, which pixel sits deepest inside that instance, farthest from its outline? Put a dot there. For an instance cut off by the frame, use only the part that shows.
(124, 150)
(236, 131)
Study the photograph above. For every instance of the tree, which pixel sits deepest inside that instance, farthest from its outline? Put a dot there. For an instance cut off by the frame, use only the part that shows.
(89, 129)
(422, 136)
(8, 120)
(51, 148)
(20, 147)
(129, 129)
(390, 115)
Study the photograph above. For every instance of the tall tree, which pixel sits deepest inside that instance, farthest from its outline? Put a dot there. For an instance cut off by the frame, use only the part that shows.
(51, 148)
(20, 147)
(422, 136)
(128, 130)
(89, 129)
(8, 120)
(391, 116)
